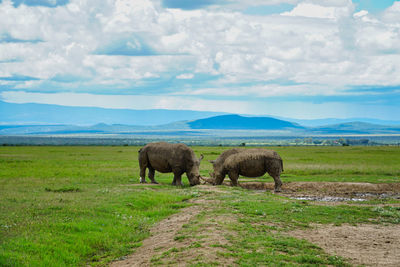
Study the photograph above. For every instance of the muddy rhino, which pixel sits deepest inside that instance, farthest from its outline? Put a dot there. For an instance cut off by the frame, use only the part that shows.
(165, 157)
(247, 162)
(217, 163)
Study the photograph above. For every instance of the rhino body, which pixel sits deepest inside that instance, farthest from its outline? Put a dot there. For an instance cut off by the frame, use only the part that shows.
(164, 157)
(248, 162)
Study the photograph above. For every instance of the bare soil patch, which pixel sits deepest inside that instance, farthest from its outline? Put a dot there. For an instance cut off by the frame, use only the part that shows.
(369, 245)
(337, 190)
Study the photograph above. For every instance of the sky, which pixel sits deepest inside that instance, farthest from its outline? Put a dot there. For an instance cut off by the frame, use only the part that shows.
(291, 58)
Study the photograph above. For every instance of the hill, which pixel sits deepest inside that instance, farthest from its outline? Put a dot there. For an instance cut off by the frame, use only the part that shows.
(356, 128)
(236, 122)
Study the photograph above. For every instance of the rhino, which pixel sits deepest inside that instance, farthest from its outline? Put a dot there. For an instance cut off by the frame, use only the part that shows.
(165, 157)
(247, 162)
(217, 163)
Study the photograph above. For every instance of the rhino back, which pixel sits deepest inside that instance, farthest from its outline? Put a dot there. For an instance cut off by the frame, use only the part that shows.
(246, 164)
(254, 163)
(164, 156)
(224, 155)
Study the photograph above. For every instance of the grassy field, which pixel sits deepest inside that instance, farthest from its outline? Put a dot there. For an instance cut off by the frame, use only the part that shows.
(74, 206)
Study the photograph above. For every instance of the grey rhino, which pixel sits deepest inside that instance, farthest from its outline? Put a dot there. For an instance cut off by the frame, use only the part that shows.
(247, 162)
(165, 157)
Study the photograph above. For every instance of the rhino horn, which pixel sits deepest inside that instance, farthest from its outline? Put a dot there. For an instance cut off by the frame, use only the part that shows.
(207, 180)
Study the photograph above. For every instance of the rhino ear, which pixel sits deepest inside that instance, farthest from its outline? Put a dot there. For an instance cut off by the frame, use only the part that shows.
(201, 157)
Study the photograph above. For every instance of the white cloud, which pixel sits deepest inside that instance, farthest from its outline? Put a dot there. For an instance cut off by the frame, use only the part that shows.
(185, 76)
(331, 10)
(361, 13)
(392, 14)
(174, 41)
(322, 45)
(265, 91)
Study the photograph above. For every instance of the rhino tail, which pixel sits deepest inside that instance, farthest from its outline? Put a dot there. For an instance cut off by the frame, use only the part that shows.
(281, 164)
(141, 155)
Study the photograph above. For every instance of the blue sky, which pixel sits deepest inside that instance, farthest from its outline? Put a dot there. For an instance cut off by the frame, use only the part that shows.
(301, 59)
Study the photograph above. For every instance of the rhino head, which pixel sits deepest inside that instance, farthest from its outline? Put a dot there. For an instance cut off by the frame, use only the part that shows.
(216, 176)
(194, 172)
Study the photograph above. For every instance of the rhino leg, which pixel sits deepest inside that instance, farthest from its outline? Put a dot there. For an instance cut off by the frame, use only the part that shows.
(151, 176)
(142, 175)
(177, 177)
(142, 165)
(177, 180)
(278, 183)
(234, 176)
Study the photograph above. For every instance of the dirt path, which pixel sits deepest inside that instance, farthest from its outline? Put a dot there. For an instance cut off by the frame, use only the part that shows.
(161, 239)
(169, 236)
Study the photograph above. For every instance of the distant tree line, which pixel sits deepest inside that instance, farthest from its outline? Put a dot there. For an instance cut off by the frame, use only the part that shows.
(268, 141)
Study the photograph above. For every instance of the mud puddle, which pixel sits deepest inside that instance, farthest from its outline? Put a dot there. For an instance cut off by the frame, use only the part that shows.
(328, 199)
(357, 197)
(331, 191)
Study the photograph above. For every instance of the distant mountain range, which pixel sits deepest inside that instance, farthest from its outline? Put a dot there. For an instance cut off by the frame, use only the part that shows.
(39, 119)
(217, 126)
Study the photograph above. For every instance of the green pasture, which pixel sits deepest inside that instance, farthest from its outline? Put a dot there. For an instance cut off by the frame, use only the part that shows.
(77, 206)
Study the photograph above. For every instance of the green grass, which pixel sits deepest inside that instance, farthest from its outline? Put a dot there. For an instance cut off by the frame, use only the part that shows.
(74, 206)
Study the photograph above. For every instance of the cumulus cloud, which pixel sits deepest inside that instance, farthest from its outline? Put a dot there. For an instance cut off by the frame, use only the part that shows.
(161, 47)
(317, 11)
(391, 14)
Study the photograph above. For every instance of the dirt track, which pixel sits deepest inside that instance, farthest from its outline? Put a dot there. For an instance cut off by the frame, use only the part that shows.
(164, 238)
